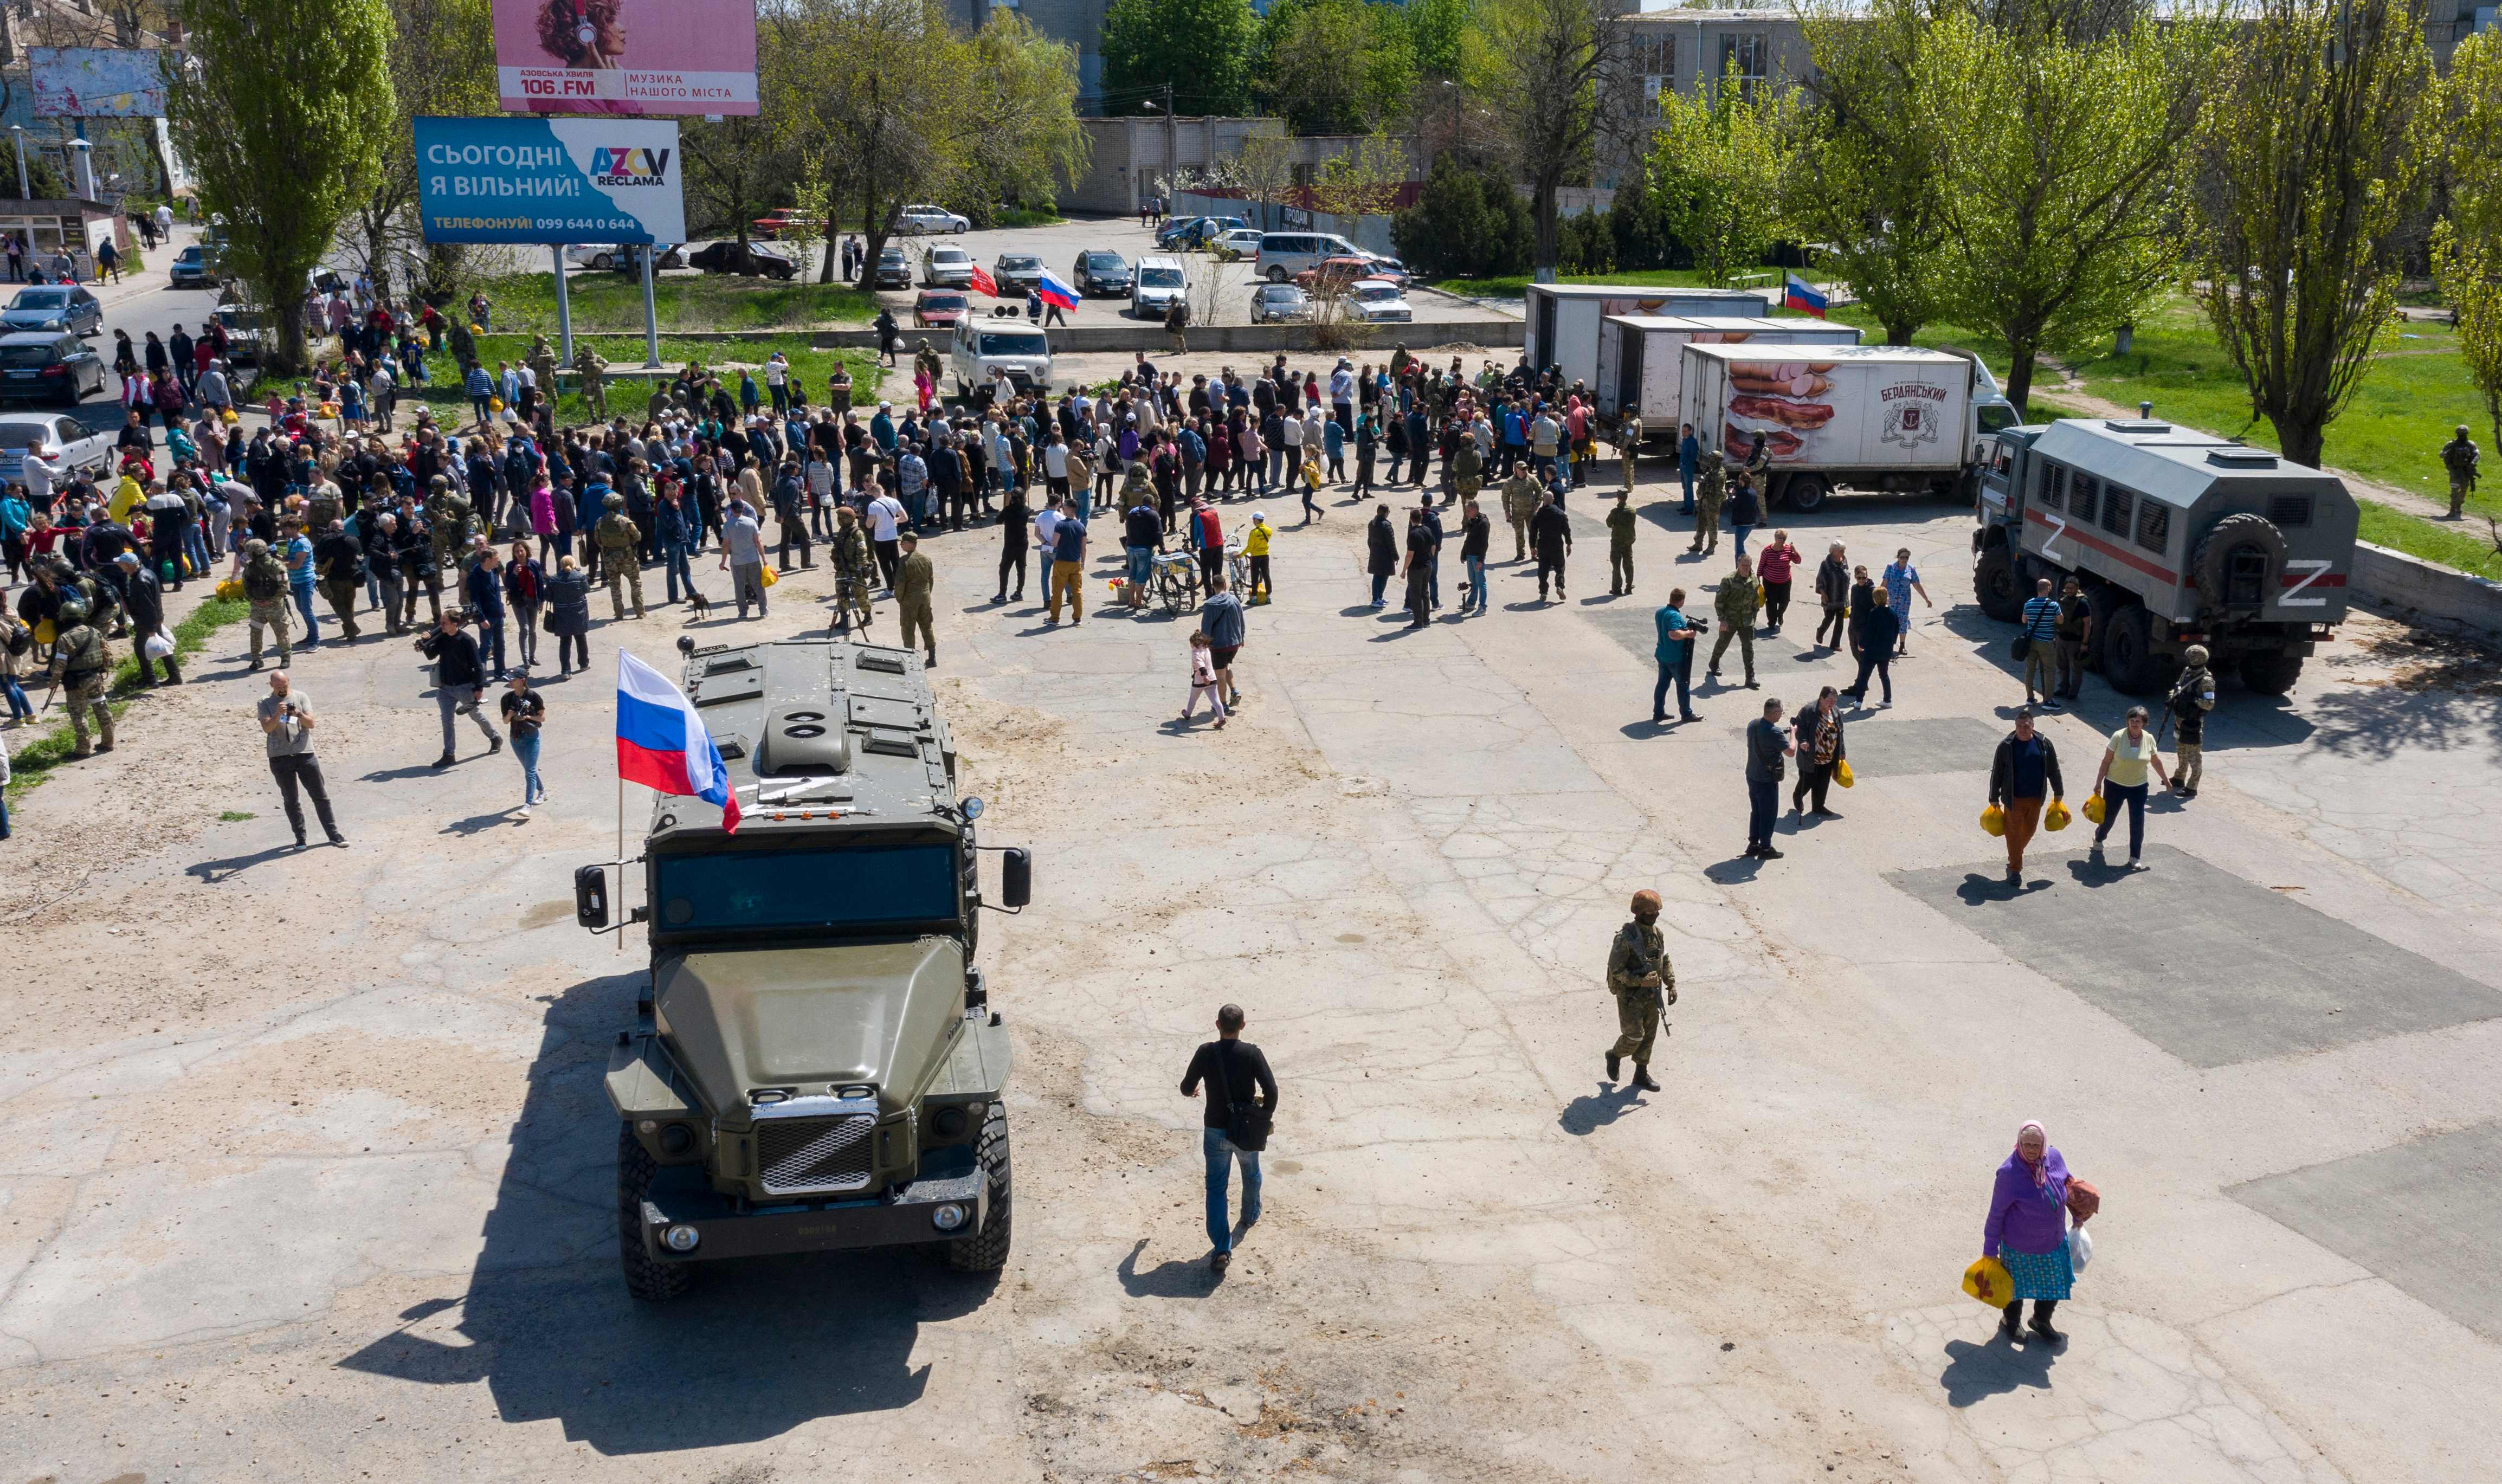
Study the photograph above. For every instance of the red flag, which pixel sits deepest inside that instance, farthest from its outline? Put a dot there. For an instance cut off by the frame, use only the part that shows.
(983, 281)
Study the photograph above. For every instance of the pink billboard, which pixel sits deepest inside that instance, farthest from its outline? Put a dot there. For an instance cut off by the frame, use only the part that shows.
(626, 57)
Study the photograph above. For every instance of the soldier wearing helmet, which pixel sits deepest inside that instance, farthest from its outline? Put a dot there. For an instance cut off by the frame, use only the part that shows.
(618, 537)
(2192, 697)
(83, 664)
(1640, 977)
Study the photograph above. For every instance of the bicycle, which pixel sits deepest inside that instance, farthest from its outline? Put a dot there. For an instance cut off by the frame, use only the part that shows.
(1176, 582)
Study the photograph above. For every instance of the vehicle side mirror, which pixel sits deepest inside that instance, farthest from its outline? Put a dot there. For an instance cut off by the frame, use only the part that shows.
(591, 897)
(1016, 877)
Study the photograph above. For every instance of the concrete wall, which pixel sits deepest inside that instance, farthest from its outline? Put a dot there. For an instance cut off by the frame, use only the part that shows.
(2420, 592)
(1131, 152)
(1073, 339)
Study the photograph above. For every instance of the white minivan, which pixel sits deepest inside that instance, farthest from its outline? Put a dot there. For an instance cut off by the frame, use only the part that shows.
(982, 349)
(1283, 254)
(1159, 284)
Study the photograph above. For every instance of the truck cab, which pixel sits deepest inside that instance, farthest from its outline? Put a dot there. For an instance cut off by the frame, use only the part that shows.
(2175, 538)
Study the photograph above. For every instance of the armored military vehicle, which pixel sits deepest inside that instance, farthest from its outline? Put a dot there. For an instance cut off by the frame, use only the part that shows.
(814, 1064)
(2178, 538)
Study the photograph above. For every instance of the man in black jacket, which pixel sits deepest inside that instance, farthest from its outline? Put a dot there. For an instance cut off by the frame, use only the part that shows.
(456, 679)
(1233, 1125)
(145, 599)
(1550, 534)
(339, 560)
(2025, 767)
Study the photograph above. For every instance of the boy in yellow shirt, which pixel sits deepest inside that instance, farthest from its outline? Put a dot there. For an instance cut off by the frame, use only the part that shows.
(1255, 546)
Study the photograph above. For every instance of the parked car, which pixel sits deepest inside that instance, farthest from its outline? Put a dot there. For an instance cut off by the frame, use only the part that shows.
(244, 327)
(946, 266)
(1016, 272)
(78, 448)
(893, 272)
(48, 366)
(981, 349)
(1279, 303)
(1283, 254)
(775, 223)
(1187, 234)
(1241, 242)
(920, 217)
(1342, 272)
(601, 257)
(755, 259)
(1377, 301)
(1100, 272)
(54, 307)
(1160, 282)
(191, 269)
(939, 307)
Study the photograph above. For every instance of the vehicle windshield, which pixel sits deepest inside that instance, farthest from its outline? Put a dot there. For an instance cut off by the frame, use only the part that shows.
(23, 355)
(1376, 291)
(1003, 342)
(1109, 261)
(848, 887)
(1159, 278)
(950, 255)
(40, 298)
(1020, 261)
(1995, 418)
(943, 301)
(890, 256)
(1281, 293)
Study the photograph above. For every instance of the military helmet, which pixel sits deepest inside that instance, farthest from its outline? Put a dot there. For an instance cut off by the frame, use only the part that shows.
(440, 482)
(615, 501)
(1645, 900)
(2196, 653)
(255, 547)
(73, 610)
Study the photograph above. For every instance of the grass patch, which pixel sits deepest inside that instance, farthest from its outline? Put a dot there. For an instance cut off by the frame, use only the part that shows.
(1513, 285)
(612, 303)
(30, 766)
(235, 815)
(1020, 217)
(630, 395)
(2467, 550)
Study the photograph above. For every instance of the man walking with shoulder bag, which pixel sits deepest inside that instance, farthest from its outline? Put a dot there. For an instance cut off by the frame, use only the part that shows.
(1233, 1126)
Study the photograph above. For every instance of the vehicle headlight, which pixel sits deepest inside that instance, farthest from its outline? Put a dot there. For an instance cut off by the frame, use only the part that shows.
(681, 1239)
(947, 1218)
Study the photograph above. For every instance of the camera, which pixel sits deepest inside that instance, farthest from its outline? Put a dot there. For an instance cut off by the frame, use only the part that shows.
(1699, 626)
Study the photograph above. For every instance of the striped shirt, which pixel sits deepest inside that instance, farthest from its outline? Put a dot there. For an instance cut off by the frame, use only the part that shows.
(2042, 618)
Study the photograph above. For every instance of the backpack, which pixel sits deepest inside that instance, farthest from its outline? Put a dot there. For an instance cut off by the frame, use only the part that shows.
(262, 582)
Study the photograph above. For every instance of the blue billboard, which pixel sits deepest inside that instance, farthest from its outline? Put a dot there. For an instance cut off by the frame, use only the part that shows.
(551, 180)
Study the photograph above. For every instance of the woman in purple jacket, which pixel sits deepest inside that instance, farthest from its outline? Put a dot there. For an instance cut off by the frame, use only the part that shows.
(2028, 1232)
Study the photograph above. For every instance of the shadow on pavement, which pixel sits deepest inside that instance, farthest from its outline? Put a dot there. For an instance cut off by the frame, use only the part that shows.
(1594, 1111)
(211, 872)
(1172, 1278)
(1735, 869)
(1978, 1372)
(754, 1350)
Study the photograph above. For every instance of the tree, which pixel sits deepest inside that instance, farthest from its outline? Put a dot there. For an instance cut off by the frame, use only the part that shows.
(1864, 182)
(735, 170)
(1201, 49)
(2469, 273)
(1335, 66)
(1542, 69)
(2467, 247)
(1364, 183)
(1025, 115)
(2062, 134)
(2312, 159)
(1468, 223)
(1714, 167)
(1265, 170)
(442, 63)
(278, 122)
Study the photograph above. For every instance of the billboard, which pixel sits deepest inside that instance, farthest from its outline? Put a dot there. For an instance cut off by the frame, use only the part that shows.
(96, 83)
(551, 180)
(625, 57)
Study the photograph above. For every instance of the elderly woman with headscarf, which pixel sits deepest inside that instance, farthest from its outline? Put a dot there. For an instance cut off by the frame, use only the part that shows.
(2028, 1232)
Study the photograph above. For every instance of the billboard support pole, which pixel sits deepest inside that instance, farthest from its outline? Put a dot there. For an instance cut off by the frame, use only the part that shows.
(651, 313)
(563, 318)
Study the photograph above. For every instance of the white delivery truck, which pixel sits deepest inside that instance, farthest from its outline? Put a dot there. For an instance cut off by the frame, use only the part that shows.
(1563, 328)
(1641, 367)
(1868, 417)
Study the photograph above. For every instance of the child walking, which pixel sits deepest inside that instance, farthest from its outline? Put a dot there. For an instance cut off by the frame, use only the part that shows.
(1202, 680)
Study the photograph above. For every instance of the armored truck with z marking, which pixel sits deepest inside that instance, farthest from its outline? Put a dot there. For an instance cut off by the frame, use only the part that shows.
(814, 1064)
(2176, 537)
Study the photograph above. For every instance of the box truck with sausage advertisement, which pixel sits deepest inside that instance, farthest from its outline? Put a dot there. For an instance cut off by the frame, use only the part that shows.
(1641, 369)
(1563, 328)
(1863, 417)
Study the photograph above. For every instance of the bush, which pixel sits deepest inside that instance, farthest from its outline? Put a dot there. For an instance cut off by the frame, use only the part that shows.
(1584, 244)
(1641, 237)
(1468, 223)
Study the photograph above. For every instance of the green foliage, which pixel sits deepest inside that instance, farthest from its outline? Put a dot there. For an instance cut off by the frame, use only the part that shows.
(1586, 245)
(1534, 67)
(1715, 167)
(1025, 107)
(235, 815)
(2469, 270)
(1640, 232)
(1201, 48)
(278, 119)
(735, 172)
(2473, 118)
(1336, 66)
(603, 302)
(1467, 222)
(442, 63)
(1865, 182)
(2310, 165)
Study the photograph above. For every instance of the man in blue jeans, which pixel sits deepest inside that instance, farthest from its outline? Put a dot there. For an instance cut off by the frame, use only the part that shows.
(1233, 1069)
(1675, 656)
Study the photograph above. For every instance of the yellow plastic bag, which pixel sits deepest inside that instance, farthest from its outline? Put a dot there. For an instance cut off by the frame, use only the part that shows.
(771, 576)
(2095, 808)
(231, 589)
(494, 404)
(1841, 772)
(1993, 821)
(1987, 1281)
(2055, 817)
(45, 632)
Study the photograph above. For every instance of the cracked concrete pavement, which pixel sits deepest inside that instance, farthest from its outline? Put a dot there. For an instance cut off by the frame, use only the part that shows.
(314, 1178)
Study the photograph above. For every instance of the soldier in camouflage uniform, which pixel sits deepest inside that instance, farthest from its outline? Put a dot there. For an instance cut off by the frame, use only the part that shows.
(618, 536)
(447, 516)
(1644, 984)
(542, 361)
(1520, 498)
(83, 665)
(464, 345)
(589, 364)
(1629, 437)
(1466, 464)
(914, 580)
(322, 505)
(265, 588)
(855, 570)
(1737, 603)
(1621, 522)
(1708, 492)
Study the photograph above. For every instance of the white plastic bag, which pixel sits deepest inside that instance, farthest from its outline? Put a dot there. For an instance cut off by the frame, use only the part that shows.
(2080, 1248)
(159, 645)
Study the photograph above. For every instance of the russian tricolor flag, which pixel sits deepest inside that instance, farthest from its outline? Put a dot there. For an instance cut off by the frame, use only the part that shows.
(661, 743)
(1796, 295)
(1054, 291)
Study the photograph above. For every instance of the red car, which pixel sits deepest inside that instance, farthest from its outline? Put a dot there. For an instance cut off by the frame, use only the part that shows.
(939, 307)
(1343, 272)
(775, 223)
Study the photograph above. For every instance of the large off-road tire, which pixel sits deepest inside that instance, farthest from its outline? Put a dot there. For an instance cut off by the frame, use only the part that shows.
(2270, 672)
(986, 1250)
(647, 1279)
(2105, 604)
(1994, 585)
(2129, 662)
(1806, 493)
(2231, 533)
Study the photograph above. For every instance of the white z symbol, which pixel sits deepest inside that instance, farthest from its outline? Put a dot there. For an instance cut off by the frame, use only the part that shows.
(2058, 528)
(2316, 570)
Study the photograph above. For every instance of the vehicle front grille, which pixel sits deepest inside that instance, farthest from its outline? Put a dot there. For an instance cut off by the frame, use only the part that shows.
(798, 1155)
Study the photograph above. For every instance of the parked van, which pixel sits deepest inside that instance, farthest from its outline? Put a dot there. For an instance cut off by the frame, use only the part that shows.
(982, 348)
(1283, 254)
(1160, 283)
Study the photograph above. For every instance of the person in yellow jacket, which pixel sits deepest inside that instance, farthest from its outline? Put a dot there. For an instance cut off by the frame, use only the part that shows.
(1255, 546)
(127, 496)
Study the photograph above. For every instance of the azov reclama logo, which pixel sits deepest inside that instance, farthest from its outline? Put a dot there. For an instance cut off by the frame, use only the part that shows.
(616, 166)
